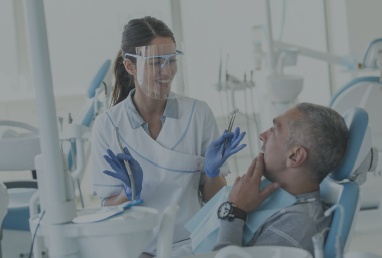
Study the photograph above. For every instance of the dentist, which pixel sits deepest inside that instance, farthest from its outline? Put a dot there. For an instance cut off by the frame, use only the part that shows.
(171, 141)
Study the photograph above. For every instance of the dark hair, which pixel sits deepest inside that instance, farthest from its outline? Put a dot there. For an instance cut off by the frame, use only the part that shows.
(323, 132)
(138, 32)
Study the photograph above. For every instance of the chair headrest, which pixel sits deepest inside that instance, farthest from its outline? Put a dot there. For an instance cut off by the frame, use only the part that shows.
(99, 78)
(371, 55)
(359, 143)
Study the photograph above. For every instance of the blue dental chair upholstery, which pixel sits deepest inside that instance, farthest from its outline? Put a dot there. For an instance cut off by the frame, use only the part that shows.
(340, 188)
(364, 92)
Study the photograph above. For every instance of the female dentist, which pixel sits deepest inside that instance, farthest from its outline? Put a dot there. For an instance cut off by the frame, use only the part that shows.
(171, 142)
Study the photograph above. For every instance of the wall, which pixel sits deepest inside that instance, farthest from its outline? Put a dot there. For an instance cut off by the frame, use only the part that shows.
(354, 24)
(81, 35)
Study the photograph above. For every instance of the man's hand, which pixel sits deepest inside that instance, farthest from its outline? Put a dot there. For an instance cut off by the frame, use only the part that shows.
(245, 193)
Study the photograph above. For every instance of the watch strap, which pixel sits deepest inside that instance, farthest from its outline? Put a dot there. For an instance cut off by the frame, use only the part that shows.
(239, 213)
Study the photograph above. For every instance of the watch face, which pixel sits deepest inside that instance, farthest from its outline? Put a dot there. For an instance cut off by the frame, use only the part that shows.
(224, 210)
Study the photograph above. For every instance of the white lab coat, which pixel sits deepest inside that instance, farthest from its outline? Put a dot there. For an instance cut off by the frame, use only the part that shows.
(172, 164)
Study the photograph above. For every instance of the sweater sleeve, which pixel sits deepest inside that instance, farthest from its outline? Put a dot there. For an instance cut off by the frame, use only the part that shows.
(286, 231)
(230, 233)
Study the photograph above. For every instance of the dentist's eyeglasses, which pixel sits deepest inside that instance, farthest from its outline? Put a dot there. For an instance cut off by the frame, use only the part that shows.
(160, 60)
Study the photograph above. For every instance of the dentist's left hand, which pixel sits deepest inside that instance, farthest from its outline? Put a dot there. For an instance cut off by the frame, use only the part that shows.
(116, 162)
(213, 157)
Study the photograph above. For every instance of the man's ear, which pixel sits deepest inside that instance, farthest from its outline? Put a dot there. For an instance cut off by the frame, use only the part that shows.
(296, 156)
(129, 66)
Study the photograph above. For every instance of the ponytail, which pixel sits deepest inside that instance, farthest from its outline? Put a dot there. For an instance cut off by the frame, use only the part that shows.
(124, 82)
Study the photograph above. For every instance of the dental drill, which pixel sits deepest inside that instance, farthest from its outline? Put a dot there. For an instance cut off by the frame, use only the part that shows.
(127, 165)
(233, 115)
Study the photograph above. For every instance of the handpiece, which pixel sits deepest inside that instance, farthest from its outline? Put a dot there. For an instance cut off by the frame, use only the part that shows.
(233, 115)
(127, 165)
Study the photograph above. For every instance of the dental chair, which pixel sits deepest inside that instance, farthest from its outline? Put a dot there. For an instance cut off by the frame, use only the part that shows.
(18, 152)
(366, 92)
(340, 189)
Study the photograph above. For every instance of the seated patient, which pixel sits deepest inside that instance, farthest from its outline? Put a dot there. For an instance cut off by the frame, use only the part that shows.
(304, 144)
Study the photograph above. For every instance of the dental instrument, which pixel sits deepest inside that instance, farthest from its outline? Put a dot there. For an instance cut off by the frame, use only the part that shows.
(127, 165)
(233, 115)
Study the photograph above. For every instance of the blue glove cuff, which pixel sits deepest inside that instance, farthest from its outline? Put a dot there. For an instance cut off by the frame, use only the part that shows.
(213, 174)
(129, 193)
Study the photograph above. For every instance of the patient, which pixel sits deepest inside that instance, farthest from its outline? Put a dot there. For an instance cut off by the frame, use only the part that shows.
(304, 144)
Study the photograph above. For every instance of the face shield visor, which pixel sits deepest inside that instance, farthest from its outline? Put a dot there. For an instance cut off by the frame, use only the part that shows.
(160, 71)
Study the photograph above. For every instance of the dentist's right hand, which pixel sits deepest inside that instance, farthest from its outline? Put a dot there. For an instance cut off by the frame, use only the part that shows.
(116, 162)
(213, 157)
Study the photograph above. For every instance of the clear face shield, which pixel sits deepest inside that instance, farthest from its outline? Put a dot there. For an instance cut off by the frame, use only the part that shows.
(160, 71)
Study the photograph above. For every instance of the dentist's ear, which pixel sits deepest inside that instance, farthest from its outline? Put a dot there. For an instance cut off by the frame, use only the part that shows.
(129, 66)
(296, 156)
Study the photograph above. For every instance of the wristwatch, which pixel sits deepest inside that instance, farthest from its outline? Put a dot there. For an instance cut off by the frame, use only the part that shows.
(229, 211)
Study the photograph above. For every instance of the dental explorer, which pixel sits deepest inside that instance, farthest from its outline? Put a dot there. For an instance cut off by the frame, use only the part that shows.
(127, 165)
(233, 115)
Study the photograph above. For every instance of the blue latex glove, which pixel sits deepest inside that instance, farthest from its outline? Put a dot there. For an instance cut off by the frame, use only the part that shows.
(120, 172)
(213, 157)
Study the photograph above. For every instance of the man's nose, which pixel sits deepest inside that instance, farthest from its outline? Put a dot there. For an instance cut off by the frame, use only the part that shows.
(263, 136)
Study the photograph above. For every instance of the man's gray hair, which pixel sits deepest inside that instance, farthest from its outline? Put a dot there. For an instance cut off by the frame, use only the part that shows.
(323, 132)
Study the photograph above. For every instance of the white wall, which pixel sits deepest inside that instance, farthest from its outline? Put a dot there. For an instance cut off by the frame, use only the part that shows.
(8, 49)
(81, 35)
(354, 24)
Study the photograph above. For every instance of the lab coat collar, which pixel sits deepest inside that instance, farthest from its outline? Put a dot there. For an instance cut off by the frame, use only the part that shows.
(171, 111)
